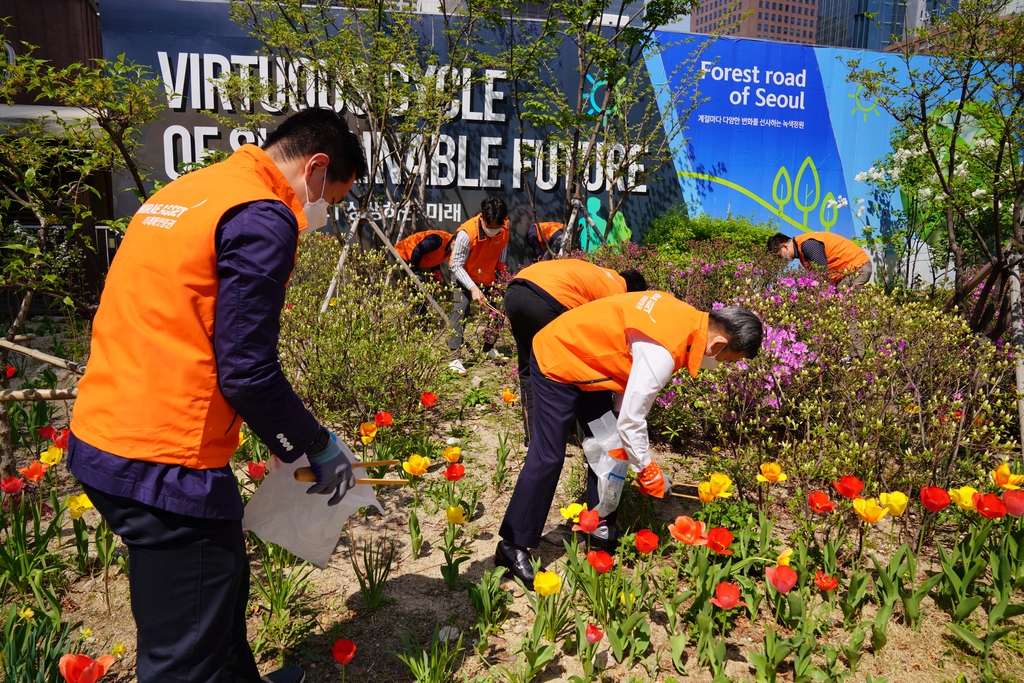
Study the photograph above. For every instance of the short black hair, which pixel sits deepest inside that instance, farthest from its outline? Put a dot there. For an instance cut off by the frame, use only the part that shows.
(635, 280)
(742, 327)
(493, 210)
(776, 241)
(315, 131)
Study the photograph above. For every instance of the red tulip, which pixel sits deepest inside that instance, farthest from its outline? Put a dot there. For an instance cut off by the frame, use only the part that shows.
(383, 419)
(12, 485)
(848, 487)
(83, 669)
(825, 582)
(428, 399)
(47, 433)
(600, 561)
(782, 577)
(594, 634)
(727, 596)
(934, 498)
(589, 521)
(820, 502)
(646, 541)
(35, 471)
(257, 470)
(11, 371)
(343, 651)
(989, 505)
(719, 540)
(1014, 502)
(455, 472)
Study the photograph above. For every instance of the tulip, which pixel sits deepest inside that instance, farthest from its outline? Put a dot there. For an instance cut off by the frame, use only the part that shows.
(594, 634)
(343, 651)
(589, 521)
(895, 502)
(825, 582)
(1004, 479)
(428, 399)
(704, 492)
(1014, 502)
(688, 531)
(573, 511)
(989, 505)
(27, 614)
(784, 557)
(11, 371)
(646, 541)
(820, 502)
(508, 396)
(257, 470)
(51, 456)
(783, 578)
(848, 487)
(35, 471)
(77, 505)
(719, 540)
(934, 498)
(61, 441)
(383, 419)
(452, 453)
(84, 669)
(367, 431)
(455, 472)
(547, 583)
(727, 596)
(721, 485)
(118, 650)
(12, 485)
(963, 497)
(601, 561)
(47, 433)
(771, 472)
(416, 465)
(869, 510)
(455, 515)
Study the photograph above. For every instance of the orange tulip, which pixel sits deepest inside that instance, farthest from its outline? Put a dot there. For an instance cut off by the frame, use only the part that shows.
(688, 531)
(83, 669)
(1003, 478)
(452, 453)
(508, 396)
(771, 472)
(35, 471)
(367, 431)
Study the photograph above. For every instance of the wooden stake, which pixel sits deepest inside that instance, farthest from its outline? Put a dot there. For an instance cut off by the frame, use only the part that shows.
(19, 395)
(45, 357)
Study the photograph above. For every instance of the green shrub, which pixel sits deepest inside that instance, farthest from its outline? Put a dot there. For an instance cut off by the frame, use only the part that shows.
(672, 233)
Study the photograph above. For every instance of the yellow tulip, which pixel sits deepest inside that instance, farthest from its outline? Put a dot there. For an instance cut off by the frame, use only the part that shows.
(1000, 475)
(573, 511)
(416, 465)
(27, 613)
(78, 504)
(627, 601)
(452, 453)
(455, 515)
(367, 431)
(51, 456)
(721, 485)
(771, 472)
(704, 492)
(547, 583)
(964, 497)
(508, 396)
(869, 510)
(895, 502)
(784, 557)
(118, 650)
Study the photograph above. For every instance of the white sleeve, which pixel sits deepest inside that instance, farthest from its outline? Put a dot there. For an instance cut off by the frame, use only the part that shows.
(652, 369)
(460, 254)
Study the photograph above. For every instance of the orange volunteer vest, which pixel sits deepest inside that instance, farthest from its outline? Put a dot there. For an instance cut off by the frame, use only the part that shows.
(843, 255)
(434, 258)
(484, 251)
(587, 346)
(150, 389)
(546, 230)
(572, 282)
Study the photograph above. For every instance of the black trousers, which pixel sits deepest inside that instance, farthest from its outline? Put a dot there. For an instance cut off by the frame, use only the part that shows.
(528, 313)
(189, 580)
(555, 406)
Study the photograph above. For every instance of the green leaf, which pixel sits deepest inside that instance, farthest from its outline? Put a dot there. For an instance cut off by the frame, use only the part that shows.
(965, 608)
(678, 645)
(968, 637)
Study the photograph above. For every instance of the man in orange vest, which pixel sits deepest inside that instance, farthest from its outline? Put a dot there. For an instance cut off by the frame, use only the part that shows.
(478, 254)
(425, 251)
(844, 260)
(540, 293)
(630, 345)
(184, 348)
(545, 238)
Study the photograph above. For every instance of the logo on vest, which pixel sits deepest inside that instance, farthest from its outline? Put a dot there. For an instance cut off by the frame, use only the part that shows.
(646, 304)
(161, 215)
(284, 442)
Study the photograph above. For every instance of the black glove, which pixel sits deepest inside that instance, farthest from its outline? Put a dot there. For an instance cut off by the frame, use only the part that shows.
(332, 464)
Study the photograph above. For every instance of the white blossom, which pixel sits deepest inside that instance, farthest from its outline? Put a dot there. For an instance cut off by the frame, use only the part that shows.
(861, 177)
(980, 192)
(861, 211)
(961, 169)
(924, 193)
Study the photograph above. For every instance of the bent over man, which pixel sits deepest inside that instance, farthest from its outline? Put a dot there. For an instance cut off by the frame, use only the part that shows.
(426, 251)
(844, 260)
(184, 348)
(627, 344)
(544, 236)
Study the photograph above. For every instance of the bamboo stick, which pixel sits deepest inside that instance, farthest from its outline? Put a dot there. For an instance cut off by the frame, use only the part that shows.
(45, 357)
(21, 338)
(19, 395)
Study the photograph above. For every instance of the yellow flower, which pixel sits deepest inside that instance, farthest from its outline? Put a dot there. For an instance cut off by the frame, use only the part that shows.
(704, 492)
(784, 557)
(895, 502)
(716, 449)
(964, 497)
(547, 583)
(869, 510)
(507, 395)
(26, 613)
(1000, 475)
(455, 515)
(452, 453)
(118, 650)
(721, 485)
(367, 431)
(86, 633)
(78, 504)
(416, 465)
(334, 302)
(771, 472)
(913, 409)
(51, 456)
(627, 602)
(573, 511)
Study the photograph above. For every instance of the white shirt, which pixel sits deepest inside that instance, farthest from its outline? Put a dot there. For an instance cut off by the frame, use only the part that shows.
(653, 367)
(460, 254)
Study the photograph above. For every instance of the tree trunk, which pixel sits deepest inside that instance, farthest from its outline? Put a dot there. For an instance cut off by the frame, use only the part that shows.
(1017, 331)
(8, 467)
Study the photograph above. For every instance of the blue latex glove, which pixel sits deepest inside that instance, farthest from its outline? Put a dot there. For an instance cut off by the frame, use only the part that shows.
(333, 469)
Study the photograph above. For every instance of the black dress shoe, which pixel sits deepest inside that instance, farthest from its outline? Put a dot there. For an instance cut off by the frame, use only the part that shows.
(516, 560)
(289, 674)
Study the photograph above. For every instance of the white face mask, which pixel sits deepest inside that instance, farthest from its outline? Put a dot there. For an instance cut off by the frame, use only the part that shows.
(709, 362)
(316, 212)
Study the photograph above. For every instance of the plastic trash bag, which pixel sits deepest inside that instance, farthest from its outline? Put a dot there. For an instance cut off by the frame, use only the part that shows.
(608, 459)
(282, 512)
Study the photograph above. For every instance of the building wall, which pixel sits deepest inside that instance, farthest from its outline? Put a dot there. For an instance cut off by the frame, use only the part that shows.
(846, 23)
(789, 21)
